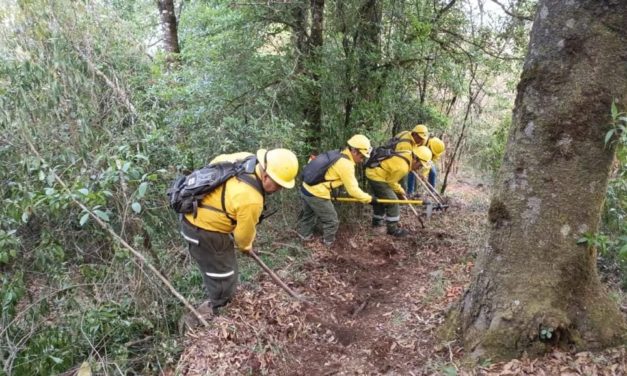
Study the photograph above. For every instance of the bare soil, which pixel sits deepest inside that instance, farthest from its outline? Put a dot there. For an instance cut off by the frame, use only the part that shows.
(375, 305)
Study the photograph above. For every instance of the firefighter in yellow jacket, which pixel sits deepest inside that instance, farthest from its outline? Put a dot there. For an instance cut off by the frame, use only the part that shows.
(407, 140)
(316, 196)
(384, 177)
(438, 148)
(233, 208)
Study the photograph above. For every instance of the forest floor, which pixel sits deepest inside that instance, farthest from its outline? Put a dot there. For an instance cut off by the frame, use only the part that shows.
(377, 302)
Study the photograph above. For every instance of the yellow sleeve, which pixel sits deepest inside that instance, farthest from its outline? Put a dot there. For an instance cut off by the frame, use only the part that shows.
(397, 188)
(245, 230)
(346, 170)
(425, 171)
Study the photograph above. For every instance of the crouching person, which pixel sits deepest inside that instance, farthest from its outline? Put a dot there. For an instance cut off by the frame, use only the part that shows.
(384, 171)
(227, 218)
(326, 172)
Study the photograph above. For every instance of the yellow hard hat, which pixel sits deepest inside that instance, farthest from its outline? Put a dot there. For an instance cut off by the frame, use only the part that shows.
(424, 154)
(437, 147)
(422, 130)
(361, 143)
(280, 164)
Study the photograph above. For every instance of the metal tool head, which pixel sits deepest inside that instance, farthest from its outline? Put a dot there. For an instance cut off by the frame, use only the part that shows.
(428, 209)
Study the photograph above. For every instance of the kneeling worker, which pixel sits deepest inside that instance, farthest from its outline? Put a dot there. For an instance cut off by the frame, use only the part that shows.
(326, 172)
(384, 176)
(234, 207)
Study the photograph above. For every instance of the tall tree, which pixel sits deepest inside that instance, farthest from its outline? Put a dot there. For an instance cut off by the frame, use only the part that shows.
(169, 26)
(534, 286)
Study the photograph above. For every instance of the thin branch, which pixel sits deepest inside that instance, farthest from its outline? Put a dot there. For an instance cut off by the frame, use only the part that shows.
(511, 13)
(444, 10)
(117, 238)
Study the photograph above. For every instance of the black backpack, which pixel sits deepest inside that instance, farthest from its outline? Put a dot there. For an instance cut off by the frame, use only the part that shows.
(314, 171)
(394, 141)
(186, 192)
(382, 153)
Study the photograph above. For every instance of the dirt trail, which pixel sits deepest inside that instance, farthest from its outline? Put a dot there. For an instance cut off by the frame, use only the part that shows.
(376, 300)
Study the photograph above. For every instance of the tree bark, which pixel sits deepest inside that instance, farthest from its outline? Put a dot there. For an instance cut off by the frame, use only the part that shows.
(368, 45)
(534, 286)
(169, 26)
(313, 112)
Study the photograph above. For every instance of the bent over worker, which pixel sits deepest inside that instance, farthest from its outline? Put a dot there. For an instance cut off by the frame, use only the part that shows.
(316, 198)
(234, 208)
(407, 140)
(384, 182)
(437, 148)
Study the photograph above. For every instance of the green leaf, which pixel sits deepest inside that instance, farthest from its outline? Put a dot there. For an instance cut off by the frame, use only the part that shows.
(608, 135)
(614, 110)
(50, 178)
(141, 191)
(84, 191)
(449, 371)
(102, 215)
(84, 219)
(126, 166)
(136, 206)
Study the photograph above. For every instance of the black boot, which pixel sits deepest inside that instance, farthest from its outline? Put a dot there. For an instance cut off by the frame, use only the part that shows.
(396, 231)
(376, 222)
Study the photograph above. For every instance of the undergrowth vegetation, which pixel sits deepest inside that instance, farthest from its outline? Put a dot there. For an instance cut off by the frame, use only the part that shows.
(84, 97)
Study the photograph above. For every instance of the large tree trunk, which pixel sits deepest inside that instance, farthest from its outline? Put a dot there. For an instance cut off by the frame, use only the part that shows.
(169, 26)
(534, 286)
(313, 113)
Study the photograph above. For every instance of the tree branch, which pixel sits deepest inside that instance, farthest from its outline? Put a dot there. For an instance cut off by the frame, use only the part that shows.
(511, 13)
(444, 10)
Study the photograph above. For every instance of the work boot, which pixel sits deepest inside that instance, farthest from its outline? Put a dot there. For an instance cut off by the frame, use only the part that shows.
(398, 232)
(304, 238)
(377, 222)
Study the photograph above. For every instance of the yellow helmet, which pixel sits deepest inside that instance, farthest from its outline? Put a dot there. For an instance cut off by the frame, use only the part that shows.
(424, 154)
(422, 130)
(437, 147)
(280, 164)
(361, 143)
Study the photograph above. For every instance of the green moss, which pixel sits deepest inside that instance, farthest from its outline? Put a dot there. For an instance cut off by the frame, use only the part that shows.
(449, 330)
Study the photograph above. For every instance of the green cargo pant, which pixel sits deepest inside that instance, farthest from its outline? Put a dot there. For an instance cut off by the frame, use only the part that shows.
(317, 208)
(390, 213)
(215, 255)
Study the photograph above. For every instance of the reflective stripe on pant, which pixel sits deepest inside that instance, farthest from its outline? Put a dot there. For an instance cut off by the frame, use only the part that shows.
(317, 208)
(214, 254)
(391, 213)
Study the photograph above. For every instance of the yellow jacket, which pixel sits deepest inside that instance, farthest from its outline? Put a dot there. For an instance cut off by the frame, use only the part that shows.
(391, 171)
(342, 172)
(425, 171)
(407, 141)
(243, 203)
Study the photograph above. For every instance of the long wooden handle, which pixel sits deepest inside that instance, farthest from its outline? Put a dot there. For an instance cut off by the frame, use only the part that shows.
(274, 277)
(382, 201)
(424, 185)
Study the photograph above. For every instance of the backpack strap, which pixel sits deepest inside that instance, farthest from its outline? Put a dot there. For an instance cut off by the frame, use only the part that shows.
(342, 155)
(400, 155)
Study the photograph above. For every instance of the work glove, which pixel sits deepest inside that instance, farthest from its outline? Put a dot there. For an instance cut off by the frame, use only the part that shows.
(374, 201)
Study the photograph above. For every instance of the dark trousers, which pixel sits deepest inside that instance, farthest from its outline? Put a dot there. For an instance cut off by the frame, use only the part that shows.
(214, 254)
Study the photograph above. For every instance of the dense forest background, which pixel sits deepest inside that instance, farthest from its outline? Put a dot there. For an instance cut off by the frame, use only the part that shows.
(104, 102)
